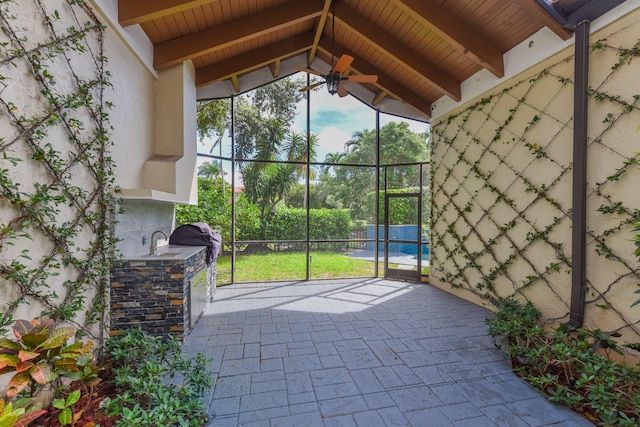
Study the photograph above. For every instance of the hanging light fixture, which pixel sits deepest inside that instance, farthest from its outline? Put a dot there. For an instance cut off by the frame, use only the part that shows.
(333, 82)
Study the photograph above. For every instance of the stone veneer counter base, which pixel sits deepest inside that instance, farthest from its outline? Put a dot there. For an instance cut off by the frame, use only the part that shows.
(153, 292)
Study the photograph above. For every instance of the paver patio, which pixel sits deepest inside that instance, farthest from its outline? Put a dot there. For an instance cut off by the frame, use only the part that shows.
(359, 352)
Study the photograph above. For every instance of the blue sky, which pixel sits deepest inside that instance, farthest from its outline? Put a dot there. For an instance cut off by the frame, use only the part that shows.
(334, 120)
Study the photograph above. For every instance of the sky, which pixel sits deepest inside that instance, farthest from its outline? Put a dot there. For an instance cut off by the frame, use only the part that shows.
(333, 120)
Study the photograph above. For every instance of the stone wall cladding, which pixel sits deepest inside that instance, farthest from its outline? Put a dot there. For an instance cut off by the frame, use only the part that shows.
(153, 294)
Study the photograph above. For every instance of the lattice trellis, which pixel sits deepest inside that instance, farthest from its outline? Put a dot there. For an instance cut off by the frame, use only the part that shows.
(56, 176)
(502, 171)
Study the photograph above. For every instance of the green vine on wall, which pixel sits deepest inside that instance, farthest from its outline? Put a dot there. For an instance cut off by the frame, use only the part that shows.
(476, 178)
(56, 176)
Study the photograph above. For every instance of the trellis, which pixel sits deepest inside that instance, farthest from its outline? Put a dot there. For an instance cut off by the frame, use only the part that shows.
(502, 190)
(56, 178)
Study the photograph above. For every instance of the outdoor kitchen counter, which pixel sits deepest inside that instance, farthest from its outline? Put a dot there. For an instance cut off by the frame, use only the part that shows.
(168, 253)
(159, 293)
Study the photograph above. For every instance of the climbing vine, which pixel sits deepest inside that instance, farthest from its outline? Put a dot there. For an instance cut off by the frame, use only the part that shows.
(502, 190)
(56, 176)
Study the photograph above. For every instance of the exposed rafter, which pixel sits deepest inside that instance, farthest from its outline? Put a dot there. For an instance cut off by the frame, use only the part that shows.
(275, 68)
(249, 27)
(385, 82)
(379, 97)
(400, 52)
(318, 30)
(131, 12)
(252, 60)
(228, 39)
(450, 29)
(235, 83)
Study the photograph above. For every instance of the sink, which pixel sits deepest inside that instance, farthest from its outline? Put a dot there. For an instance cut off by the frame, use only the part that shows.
(165, 254)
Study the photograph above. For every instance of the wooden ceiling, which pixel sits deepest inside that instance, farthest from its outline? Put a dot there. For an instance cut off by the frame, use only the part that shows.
(421, 50)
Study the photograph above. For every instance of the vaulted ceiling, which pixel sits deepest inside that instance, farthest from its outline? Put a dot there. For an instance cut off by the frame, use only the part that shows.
(420, 50)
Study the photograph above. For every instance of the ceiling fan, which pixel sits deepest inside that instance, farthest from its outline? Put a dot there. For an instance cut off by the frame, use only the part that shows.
(335, 78)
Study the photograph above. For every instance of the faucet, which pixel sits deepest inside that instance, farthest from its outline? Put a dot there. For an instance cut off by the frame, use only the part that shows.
(152, 249)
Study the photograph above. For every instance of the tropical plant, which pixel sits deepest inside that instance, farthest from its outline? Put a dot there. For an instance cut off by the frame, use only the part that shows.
(39, 356)
(19, 413)
(209, 170)
(296, 150)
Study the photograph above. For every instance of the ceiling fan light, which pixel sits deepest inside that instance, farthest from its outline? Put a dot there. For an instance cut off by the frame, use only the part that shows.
(333, 82)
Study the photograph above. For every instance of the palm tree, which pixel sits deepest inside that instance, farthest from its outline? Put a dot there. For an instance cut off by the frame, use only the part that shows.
(332, 159)
(209, 170)
(218, 143)
(295, 148)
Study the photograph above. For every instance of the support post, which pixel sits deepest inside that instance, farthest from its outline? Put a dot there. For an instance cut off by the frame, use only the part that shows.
(580, 145)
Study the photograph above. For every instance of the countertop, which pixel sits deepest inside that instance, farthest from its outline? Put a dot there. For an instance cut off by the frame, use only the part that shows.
(169, 252)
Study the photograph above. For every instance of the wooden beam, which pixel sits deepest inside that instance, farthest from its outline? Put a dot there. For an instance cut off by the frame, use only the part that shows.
(385, 82)
(400, 52)
(319, 30)
(275, 68)
(131, 12)
(539, 13)
(240, 30)
(235, 83)
(252, 60)
(379, 97)
(453, 32)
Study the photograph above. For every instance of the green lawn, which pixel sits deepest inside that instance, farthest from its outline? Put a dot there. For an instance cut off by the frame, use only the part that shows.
(291, 266)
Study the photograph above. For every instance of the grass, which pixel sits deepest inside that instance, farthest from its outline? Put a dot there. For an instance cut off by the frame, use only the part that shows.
(291, 266)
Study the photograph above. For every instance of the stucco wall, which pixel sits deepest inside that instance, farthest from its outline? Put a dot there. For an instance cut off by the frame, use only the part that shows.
(51, 168)
(51, 191)
(132, 117)
(502, 171)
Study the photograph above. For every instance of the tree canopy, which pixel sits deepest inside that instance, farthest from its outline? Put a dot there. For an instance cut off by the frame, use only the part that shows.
(274, 160)
(346, 184)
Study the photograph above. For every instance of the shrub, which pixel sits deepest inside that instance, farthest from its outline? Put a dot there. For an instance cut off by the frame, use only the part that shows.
(404, 210)
(213, 208)
(325, 224)
(564, 365)
(157, 386)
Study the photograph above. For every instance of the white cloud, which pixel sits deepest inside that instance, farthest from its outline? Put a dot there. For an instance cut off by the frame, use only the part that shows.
(331, 140)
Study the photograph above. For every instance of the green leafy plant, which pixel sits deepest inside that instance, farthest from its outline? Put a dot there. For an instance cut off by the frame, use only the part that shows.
(19, 413)
(38, 356)
(514, 325)
(566, 365)
(66, 414)
(158, 386)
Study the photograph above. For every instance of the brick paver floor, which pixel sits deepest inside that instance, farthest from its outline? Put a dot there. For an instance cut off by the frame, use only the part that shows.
(359, 352)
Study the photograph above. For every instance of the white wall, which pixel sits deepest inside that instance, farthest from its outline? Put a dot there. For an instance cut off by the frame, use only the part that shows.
(154, 134)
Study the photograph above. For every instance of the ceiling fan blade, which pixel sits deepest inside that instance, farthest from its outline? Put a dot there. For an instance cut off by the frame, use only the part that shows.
(343, 63)
(363, 78)
(308, 70)
(342, 91)
(304, 89)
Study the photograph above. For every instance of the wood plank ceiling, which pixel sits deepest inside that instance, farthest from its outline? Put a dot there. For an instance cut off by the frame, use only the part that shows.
(421, 50)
